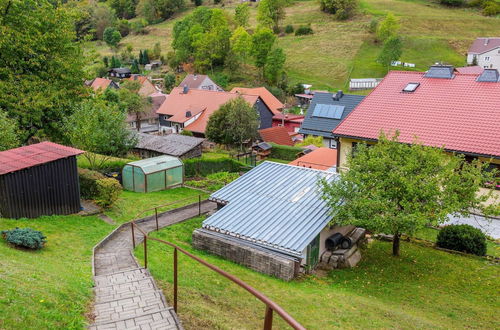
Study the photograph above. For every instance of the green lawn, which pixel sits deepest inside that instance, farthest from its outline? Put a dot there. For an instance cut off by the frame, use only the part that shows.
(338, 51)
(425, 288)
(50, 288)
(131, 204)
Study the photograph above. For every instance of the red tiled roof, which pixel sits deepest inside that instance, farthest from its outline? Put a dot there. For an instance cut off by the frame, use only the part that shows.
(320, 159)
(269, 99)
(36, 154)
(100, 83)
(289, 118)
(277, 134)
(178, 103)
(481, 45)
(476, 69)
(459, 114)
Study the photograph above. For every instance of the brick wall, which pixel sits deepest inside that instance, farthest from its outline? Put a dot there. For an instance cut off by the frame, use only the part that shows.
(259, 260)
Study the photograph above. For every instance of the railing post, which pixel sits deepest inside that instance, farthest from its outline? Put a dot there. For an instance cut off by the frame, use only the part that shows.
(156, 218)
(133, 234)
(175, 280)
(199, 205)
(268, 321)
(145, 251)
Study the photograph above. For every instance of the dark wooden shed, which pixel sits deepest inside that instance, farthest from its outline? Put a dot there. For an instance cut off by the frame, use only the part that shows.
(39, 179)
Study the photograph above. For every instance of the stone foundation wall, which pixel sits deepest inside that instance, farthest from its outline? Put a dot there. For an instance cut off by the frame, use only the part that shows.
(259, 260)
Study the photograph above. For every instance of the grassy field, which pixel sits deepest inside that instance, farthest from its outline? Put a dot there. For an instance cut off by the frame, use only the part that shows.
(130, 203)
(339, 51)
(425, 288)
(50, 288)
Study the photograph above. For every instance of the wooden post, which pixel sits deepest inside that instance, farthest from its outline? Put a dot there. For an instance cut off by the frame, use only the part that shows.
(133, 235)
(268, 321)
(175, 280)
(199, 205)
(156, 218)
(145, 251)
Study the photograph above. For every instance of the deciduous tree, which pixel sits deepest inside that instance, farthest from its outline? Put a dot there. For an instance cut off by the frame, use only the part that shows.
(242, 14)
(392, 51)
(241, 43)
(262, 42)
(270, 13)
(342, 9)
(275, 63)
(112, 36)
(398, 188)
(388, 27)
(8, 132)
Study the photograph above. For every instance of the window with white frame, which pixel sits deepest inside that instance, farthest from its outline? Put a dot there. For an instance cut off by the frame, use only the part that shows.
(486, 58)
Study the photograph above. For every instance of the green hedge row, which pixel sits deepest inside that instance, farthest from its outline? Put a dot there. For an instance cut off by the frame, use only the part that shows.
(93, 185)
(284, 152)
(203, 167)
(88, 183)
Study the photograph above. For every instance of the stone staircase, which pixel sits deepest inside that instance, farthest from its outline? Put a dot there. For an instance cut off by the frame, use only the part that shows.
(130, 299)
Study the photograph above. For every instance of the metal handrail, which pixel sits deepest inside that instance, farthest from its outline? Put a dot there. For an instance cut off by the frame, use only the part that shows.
(271, 306)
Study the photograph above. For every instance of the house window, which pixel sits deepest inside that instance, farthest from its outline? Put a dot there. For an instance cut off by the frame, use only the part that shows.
(487, 58)
(411, 87)
(333, 144)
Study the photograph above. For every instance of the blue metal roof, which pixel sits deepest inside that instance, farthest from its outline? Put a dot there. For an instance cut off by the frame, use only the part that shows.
(324, 126)
(277, 206)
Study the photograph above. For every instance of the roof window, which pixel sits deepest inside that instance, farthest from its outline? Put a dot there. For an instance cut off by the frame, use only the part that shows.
(411, 87)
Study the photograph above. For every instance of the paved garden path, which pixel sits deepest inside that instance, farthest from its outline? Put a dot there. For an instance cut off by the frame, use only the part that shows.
(126, 295)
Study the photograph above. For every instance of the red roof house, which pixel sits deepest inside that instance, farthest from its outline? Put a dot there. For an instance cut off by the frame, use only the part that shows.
(442, 108)
(269, 99)
(290, 121)
(277, 134)
(319, 159)
(102, 84)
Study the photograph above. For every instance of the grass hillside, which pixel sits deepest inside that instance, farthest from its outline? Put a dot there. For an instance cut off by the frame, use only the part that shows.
(341, 50)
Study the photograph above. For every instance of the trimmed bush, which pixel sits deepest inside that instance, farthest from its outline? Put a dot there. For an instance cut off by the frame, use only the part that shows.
(463, 238)
(289, 29)
(25, 237)
(284, 152)
(89, 188)
(108, 191)
(203, 167)
(303, 30)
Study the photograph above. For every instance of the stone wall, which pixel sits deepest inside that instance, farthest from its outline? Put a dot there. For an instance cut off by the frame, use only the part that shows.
(260, 260)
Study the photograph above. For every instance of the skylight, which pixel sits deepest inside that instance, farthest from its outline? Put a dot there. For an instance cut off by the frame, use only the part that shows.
(328, 111)
(411, 87)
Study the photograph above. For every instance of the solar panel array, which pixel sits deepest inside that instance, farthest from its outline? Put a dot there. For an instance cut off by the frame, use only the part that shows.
(330, 111)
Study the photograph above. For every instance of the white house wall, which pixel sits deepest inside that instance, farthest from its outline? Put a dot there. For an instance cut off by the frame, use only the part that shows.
(487, 60)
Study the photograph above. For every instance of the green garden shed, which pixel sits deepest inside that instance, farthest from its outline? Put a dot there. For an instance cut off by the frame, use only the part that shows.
(153, 174)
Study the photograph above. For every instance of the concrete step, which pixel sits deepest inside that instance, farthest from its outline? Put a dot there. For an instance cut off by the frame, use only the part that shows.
(121, 277)
(125, 290)
(165, 319)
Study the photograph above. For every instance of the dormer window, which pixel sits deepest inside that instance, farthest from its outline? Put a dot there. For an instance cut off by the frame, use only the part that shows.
(411, 87)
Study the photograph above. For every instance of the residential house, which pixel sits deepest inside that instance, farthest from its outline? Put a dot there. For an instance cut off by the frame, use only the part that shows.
(200, 81)
(326, 112)
(153, 65)
(485, 52)
(190, 109)
(147, 87)
(277, 135)
(177, 145)
(269, 99)
(39, 179)
(272, 220)
(440, 107)
(120, 72)
(101, 84)
(148, 121)
(324, 159)
(290, 121)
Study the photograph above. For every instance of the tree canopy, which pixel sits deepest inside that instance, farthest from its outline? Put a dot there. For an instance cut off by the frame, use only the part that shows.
(112, 36)
(274, 67)
(388, 27)
(270, 13)
(41, 69)
(342, 9)
(99, 127)
(392, 51)
(397, 188)
(262, 42)
(233, 123)
(242, 14)
(8, 132)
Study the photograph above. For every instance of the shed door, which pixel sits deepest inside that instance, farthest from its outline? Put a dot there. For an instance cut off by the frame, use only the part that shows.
(313, 253)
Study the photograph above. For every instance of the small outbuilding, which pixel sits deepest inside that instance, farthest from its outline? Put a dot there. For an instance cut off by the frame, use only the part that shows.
(153, 174)
(177, 145)
(39, 179)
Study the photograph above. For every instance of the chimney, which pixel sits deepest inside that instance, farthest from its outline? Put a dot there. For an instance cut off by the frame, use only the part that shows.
(337, 96)
(185, 90)
(195, 76)
(486, 41)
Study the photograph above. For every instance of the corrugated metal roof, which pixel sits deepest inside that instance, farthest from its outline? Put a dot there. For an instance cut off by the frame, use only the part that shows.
(36, 154)
(274, 205)
(171, 144)
(324, 126)
(155, 164)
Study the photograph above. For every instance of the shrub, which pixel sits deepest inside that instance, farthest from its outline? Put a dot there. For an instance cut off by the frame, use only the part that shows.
(203, 167)
(289, 29)
(88, 183)
(284, 152)
(491, 8)
(25, 237)
(108, 191)
(452, 3)
(342, 9)
(187, 133)
(463, 238)
(303, 30)
(372, 28)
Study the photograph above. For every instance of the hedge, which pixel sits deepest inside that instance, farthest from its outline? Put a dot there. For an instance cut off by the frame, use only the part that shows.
(284, 152)
(203, 167)
(108, 192)
(88, 182)
(463, 238)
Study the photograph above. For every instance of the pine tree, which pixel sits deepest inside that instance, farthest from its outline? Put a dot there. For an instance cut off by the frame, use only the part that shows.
(141, 57)
(135, 67)
(106, 61)
(145, 57)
